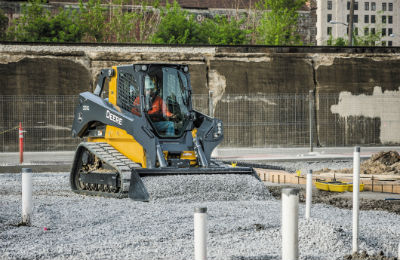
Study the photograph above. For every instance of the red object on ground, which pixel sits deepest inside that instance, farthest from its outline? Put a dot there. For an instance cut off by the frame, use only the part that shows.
(21, 143)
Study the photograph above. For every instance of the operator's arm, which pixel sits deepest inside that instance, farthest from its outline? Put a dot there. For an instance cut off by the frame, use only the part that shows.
(136, 106)
(165, 109)
(159, 107)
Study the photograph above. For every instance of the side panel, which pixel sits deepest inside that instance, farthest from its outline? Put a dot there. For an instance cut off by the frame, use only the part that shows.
(124, 143)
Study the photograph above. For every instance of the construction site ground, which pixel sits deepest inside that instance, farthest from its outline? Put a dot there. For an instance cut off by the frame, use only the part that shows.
(326, 163)
(329, 226)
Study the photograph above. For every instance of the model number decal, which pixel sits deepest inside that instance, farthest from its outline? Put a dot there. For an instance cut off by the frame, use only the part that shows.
(113, 117)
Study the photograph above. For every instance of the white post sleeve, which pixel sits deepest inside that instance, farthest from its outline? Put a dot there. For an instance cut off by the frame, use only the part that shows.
(26, 196)
(290, 213)
(308, 194)
(200, 233)
(356, 191)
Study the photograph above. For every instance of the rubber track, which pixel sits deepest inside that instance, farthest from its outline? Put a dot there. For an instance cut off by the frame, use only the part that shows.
(115, 159)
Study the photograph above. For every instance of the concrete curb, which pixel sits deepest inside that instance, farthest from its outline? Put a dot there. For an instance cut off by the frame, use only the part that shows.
(36, 168)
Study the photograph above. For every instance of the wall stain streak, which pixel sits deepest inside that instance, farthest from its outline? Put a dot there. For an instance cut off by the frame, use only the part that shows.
(383, 105)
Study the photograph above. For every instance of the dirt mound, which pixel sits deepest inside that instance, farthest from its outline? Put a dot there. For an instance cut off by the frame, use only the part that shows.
(382, 163)
(379, 163)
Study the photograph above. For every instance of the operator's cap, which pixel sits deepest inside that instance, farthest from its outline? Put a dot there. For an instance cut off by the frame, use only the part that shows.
(148, 83)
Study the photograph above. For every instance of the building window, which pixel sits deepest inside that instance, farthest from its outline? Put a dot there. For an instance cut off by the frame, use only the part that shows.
(366, 6)
(329, 5)
(373, 6)
(329, 17)
(390, 6)
(329, 30)
(372, 18)
(383, 6)
(383, 43)
(383, 31)
(355, 18)
(355, 5)
(390, 43)
(390, 31)
(366, 31)
(390, 18)
(383, 18)
(366, 18)
(355, 31)
(372, 31)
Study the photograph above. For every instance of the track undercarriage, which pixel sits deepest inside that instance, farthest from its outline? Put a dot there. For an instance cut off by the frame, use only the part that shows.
(100, 170)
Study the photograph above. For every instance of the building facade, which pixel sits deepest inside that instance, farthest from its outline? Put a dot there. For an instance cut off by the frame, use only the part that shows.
(381, 17)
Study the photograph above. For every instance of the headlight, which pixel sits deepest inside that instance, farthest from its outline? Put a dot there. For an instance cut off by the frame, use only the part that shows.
(218, 131)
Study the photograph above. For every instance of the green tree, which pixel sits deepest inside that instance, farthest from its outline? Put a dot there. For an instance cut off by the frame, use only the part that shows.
(147, 22)
(125, 24)
(3, 25)
(221, 31)
(121, 24)
(367, 39)
(92, 20)
(340, 41)
(36, 24)
(278, 23)
(177, 26)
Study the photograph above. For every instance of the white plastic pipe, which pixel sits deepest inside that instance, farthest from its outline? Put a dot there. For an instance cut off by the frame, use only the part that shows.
(308, 194)
(26, 196)
(200, 233)
(356, 191)
(398, 252)
(290, 217)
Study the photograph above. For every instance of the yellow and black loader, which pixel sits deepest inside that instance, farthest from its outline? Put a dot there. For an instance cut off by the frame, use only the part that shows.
(140, 122)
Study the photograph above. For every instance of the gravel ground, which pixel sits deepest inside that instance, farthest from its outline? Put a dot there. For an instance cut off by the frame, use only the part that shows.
(305, 166)
(242, 225)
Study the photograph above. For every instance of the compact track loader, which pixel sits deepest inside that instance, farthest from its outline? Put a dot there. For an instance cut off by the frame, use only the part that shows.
(140, 122)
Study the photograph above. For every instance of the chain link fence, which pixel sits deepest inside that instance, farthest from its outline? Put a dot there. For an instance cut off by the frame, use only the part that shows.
(258, 120)
(46, 121)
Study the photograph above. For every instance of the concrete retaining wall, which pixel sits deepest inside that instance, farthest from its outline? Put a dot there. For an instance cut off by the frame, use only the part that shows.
(366, 77)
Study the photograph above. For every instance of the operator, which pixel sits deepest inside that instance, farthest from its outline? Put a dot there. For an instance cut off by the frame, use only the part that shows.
(158, 109)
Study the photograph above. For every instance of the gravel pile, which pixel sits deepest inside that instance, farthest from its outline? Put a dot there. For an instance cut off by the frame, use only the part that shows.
(196, 188)
(81, 227)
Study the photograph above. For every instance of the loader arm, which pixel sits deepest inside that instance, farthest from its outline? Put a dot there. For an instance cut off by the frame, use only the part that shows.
(92, 109)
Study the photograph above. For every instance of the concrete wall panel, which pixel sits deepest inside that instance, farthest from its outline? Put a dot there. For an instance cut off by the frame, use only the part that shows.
(244, 81)
(364, 92)
(44, 76)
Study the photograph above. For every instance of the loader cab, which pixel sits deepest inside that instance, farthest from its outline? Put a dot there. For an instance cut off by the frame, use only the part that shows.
(166, 103)
(160, 93)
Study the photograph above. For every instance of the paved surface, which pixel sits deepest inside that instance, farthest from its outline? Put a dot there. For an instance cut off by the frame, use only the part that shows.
(285, 154)
(238, 154)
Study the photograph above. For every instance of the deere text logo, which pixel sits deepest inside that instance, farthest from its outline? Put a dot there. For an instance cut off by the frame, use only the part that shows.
(113, 117)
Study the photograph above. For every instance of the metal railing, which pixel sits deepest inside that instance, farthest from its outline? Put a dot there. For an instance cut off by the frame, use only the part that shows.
(257, 120)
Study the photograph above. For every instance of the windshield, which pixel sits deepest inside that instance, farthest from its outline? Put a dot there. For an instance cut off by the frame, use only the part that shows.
(166, 100)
